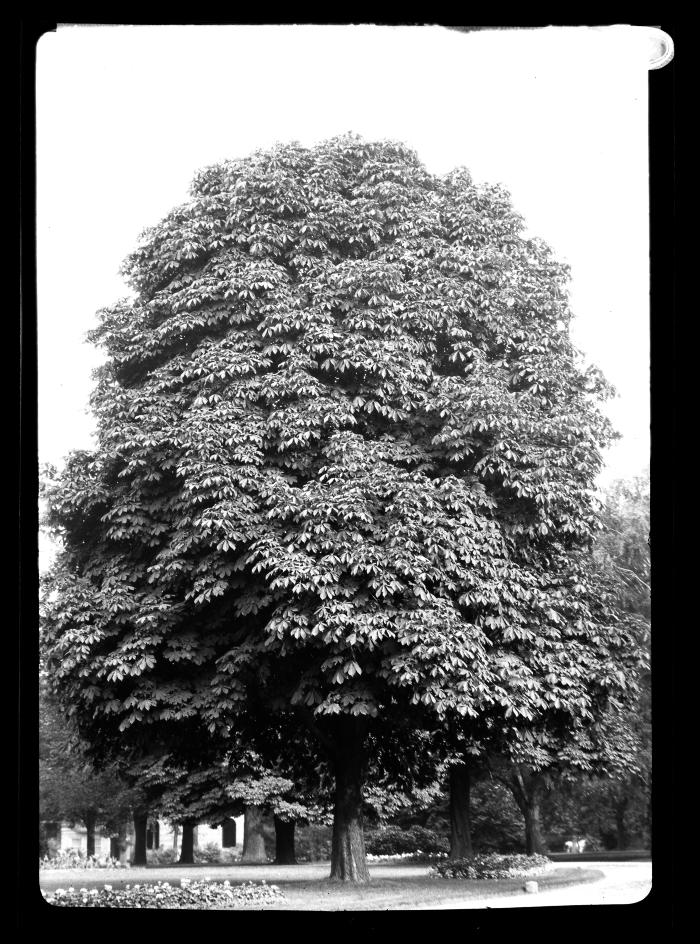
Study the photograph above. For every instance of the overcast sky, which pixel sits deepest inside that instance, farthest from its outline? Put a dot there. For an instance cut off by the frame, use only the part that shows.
(125, 115)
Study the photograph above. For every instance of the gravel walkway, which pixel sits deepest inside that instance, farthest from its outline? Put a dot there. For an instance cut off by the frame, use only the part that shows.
(623, 884)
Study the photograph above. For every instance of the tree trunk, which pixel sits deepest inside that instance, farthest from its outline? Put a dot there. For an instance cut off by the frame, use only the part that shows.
(528, 793)
(176, 834)
(253, 838)
(140, 827)
(620, 824)
(123, 842)
(460, 831)
(187, 847)
(90, 823)
(534, 843)
(284, 842)
(348, 858)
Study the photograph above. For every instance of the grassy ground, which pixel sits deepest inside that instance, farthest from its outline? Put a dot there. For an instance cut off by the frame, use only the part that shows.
(306, 887)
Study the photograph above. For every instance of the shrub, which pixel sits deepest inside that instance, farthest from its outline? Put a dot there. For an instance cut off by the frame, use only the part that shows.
(312, 843)
(207, 854)
(161, 856)
(492, 866)
(200, 894)
(229, 856)
(496, 821)
(392, 841)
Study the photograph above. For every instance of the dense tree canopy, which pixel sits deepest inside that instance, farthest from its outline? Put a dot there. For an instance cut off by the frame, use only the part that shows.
(344, 468)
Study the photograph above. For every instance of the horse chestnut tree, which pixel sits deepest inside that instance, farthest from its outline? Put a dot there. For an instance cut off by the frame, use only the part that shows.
(344, 466)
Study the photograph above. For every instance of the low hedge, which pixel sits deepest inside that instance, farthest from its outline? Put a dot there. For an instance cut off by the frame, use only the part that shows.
(492, 865)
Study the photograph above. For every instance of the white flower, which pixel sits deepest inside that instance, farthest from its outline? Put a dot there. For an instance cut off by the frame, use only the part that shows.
(108, 888)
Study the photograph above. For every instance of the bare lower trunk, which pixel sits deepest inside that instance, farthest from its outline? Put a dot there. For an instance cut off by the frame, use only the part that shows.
(460, 831)
(187, 847)
(527, 790)
(284, 842)
(253, 838)
(534, 843)
(140, 827)
(348, 857)
(90, 823)
(176, 835)
(122, 844)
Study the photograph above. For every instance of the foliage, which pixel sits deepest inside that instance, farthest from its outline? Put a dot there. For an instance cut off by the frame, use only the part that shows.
(161, 856)
(342, 412)
(496, 822)
(624, 545)
(616, 809)
(215, 854)
(190, 894)
(492, 866)
(392, 840)
(312, 843)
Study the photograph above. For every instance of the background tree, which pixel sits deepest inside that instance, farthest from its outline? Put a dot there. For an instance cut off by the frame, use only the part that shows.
(344, 467)
(70, 788)
(601, 806)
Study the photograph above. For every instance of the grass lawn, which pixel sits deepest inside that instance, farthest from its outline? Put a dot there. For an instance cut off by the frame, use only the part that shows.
(307, 888)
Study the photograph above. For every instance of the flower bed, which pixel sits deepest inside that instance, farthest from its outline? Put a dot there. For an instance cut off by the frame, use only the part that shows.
(188, 894)
(492, 866)
(418, 856)
(73, 859)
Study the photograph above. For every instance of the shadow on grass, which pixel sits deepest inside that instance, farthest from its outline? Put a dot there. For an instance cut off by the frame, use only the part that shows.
(415, 890)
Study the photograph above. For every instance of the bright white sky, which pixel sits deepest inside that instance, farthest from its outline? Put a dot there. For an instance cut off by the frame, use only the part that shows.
(125, 115)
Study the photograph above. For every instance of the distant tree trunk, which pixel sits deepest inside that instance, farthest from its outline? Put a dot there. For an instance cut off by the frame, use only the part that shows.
(284, 842)
(620, 823)
(176, 833)
(90, 824)
(348, 857)
(253, 838)
(460, 832)
(187, 847)
(122, 844)
(140, 827)
(528, 790)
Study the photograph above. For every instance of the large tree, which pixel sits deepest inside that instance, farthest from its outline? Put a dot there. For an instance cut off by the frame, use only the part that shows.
(344, 460)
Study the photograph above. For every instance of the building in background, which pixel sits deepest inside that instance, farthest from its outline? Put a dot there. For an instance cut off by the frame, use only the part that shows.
(160, 835)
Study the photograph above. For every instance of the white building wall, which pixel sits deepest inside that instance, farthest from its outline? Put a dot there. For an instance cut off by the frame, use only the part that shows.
(75, 837)
(204, 835)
